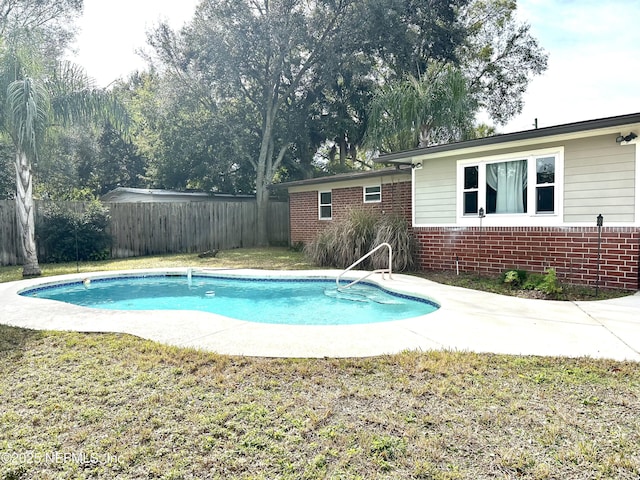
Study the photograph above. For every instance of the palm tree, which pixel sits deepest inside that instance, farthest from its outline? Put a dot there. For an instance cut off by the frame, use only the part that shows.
(417, 112)
(34, 98)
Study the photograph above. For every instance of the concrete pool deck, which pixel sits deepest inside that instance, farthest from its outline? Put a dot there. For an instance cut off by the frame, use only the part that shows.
(468, 320)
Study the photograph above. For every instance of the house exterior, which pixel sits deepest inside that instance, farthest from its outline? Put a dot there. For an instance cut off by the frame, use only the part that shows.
(315, 203)
(528, 200)
(532, 200)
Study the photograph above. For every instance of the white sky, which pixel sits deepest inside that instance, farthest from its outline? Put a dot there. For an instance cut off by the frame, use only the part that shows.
(111, 31)
(594, 64)
(594, 68)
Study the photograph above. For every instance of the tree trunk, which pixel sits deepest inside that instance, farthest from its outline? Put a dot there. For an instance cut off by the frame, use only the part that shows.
(25, 216)
(263, 178)
(262, 200)
(343, 152)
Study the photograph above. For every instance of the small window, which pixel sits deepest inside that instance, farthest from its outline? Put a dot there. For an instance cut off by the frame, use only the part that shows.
(545, 184)
(470, 193)
(324, 201)
(372, 194)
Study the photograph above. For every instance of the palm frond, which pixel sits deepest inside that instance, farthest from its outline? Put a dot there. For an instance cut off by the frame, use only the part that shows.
(27, 111)
(75, 98)
(413, 112)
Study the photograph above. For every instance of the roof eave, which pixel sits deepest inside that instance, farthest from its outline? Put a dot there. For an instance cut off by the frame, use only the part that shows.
(348, 176)
(559, 132)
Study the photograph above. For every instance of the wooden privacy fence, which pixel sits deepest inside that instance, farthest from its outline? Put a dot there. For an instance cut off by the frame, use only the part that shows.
(155, 228)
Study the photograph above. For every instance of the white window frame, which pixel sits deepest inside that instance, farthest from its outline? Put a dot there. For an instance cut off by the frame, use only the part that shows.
(475, 190)
(537, 185)
(513, 219)
(366, 194)
(320, 205)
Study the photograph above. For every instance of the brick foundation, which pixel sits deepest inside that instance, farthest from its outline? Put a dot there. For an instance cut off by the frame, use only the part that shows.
(571, 251)
(303, 207)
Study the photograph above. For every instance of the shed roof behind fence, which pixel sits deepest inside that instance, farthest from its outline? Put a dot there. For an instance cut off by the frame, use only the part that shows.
(133, 195)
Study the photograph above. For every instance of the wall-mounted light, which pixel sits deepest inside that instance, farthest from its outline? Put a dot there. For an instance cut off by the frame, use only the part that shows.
(626, 138)
(417, 166)
(481, 213)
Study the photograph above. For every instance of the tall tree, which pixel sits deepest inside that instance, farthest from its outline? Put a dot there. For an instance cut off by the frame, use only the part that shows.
(263, 54)
(52, 22)
(7, 173)
(490, 71)
(281, 61)
(417, 112)
(119, 162)
(499, 57)
(34, 97)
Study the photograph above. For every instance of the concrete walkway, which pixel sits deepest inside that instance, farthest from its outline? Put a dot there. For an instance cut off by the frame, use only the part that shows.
(468, 320)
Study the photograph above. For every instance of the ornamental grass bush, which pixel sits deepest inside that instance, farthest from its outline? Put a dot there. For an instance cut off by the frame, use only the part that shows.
(345, 241)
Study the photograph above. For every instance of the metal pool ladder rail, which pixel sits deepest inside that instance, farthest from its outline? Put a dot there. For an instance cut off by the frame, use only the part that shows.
(380, 270)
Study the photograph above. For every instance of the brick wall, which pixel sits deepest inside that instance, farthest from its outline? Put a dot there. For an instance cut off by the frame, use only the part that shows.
(303, 207)
(572, 251)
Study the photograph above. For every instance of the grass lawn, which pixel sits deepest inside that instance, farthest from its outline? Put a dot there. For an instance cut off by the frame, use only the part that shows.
(110, 406)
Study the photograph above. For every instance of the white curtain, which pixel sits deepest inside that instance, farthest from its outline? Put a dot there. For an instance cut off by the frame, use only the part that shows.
(508, 179)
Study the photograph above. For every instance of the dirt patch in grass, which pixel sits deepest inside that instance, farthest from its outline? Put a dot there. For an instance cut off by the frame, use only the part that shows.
(113, 406)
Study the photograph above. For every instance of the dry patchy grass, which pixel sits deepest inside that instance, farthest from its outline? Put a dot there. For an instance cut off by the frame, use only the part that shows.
(121, 407)
(273, 258)
(104, 406)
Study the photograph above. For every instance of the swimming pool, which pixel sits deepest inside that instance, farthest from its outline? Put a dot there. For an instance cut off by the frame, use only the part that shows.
(467, 320)
(288, 301)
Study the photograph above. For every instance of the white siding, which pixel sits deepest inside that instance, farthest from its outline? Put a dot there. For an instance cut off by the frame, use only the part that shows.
(435, 192)
(599, 179)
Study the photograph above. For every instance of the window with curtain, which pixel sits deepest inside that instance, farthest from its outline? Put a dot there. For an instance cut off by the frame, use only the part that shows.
(506, 190)
(525, 185)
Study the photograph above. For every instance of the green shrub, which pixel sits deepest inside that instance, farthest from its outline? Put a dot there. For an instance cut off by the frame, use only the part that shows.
(549, 283)
(68, 236)
(532, 282)
(514, 278)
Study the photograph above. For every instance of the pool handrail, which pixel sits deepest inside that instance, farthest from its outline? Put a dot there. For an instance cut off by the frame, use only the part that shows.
(380, 270)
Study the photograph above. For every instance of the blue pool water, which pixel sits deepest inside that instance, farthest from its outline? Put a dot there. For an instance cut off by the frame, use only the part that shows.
(298, 301)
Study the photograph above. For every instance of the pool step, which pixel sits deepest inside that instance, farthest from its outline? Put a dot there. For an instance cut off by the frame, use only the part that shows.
(359, 294)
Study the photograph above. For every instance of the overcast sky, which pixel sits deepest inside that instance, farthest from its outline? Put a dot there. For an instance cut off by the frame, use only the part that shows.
(112, 31)
(593, 66)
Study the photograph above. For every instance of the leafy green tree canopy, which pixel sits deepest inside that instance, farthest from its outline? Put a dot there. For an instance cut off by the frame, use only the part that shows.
(270, 68)
(417, 112)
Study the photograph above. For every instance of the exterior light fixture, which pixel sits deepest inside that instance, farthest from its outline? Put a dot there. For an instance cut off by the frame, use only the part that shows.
(481, 212)
(626, 138)
(599, 222)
